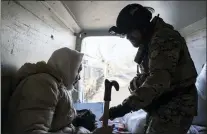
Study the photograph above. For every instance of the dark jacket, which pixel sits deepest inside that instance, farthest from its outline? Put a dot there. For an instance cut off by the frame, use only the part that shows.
(168, 66)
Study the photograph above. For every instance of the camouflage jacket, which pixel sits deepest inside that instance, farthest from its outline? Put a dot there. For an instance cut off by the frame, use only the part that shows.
(169, 66)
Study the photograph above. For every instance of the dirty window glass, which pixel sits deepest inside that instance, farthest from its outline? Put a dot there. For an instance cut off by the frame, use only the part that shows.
(106, 58)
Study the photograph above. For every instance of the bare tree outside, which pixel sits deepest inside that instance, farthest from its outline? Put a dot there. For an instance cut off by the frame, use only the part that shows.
(106, 58)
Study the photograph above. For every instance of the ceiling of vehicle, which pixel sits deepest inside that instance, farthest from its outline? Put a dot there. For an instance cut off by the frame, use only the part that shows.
(100, 15)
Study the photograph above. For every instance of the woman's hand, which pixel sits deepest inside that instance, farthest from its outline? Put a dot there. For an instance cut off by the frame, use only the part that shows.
(103, 130)
(82, 130)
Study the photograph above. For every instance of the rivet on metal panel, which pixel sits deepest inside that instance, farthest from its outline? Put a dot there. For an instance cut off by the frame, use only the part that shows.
(52, 37)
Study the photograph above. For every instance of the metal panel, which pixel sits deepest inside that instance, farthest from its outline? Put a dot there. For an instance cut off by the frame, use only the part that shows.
(30, 32)
(99, 15)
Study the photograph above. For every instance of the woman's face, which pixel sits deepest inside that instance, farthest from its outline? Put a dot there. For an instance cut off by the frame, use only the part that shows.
(77, 78)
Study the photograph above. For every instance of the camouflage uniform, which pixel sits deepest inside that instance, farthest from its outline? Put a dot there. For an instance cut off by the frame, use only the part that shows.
(167, 66)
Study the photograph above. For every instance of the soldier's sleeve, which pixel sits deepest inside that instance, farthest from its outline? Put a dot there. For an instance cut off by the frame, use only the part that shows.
(163, 58)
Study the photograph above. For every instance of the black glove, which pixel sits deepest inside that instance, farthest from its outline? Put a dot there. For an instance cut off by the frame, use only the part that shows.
(118, 111)
(86, 119)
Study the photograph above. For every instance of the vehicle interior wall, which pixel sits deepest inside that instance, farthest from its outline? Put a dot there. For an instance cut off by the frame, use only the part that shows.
(195, 35)
(197, 48)
(30, 33)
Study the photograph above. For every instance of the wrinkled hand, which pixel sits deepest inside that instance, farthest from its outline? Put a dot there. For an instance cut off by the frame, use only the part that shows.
(103, 130)
(82, 130)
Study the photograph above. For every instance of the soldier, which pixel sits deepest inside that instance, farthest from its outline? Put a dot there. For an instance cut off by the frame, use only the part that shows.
(165, 82)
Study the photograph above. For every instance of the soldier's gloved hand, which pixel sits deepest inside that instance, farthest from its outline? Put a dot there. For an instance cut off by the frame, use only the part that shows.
(118, 111)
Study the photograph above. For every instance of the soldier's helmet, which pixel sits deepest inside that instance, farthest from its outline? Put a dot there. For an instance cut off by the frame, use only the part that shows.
(130, 17)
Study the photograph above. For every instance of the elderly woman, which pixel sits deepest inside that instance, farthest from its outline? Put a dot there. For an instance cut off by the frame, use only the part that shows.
(41, 102)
